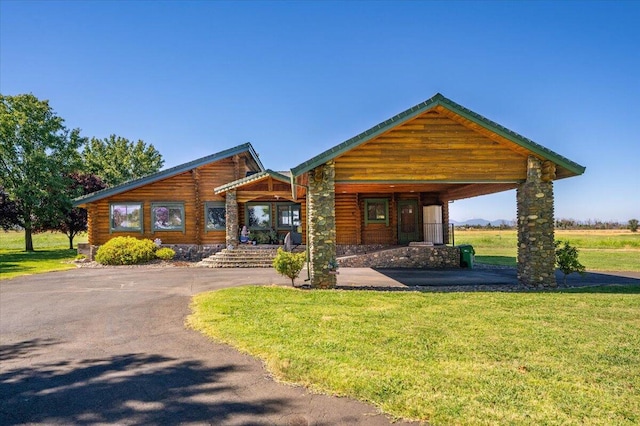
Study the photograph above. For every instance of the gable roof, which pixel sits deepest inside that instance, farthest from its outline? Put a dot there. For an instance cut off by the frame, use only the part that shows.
(435, 101)
(252, 178)
(163, 174)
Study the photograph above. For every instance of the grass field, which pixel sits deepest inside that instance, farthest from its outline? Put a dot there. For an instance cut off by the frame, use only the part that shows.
(599, 250)
(535, 358)
(52, 253)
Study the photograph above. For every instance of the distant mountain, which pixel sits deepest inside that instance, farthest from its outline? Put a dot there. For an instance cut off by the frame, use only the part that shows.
(483, 222)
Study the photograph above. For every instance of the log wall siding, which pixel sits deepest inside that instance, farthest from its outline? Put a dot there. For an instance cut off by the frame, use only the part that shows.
(350, 213)
(181, 188)
(347, 218)
(432, 147)
(379, 233)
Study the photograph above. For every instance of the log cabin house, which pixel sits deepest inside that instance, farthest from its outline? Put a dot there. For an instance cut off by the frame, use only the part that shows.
(389, 186)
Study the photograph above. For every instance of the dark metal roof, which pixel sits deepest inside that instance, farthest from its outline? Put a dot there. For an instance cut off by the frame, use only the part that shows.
(437, 100)
(163, 174)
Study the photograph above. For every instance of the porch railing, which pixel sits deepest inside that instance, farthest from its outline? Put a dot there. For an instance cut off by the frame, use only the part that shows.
(439, 233)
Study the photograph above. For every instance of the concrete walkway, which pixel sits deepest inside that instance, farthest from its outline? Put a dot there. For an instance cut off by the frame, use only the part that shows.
(479, 278)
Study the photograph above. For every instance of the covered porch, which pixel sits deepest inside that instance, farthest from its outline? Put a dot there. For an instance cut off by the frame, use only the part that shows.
(392, 184)
(262, 206)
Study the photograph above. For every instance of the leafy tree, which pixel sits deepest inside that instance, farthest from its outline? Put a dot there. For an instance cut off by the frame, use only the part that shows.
(633, 225)
(289, 264)
(116, 159)
(74, 220)
(8, 212)
(36, 154)
(567, 259)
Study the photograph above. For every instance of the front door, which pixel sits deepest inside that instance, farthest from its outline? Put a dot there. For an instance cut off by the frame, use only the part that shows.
(289, 221)
(408, 221)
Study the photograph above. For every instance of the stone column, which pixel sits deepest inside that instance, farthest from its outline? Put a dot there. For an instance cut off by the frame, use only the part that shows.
(231, 219)
(536, 250)
(322, 224)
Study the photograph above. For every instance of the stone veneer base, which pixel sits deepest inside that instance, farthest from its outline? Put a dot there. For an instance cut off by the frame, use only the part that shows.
(184, 252)
(406, 257)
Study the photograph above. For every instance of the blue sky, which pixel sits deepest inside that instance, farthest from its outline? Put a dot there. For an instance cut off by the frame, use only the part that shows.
(296, 78)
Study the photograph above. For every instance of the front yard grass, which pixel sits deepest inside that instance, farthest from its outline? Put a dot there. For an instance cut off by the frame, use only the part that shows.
(52, 254)
(446, 358)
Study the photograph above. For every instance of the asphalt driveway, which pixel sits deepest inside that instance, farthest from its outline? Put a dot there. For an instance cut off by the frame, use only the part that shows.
(92, 346)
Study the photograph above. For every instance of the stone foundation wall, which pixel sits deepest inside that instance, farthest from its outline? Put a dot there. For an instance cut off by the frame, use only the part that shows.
(184, 252)
(352, 249)
(193, 252)
(406, 257)
(87, 250)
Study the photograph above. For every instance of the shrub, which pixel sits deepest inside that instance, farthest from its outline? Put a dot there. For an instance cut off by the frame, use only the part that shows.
(633, 225)
(126, 251)
(165, 253)
(289, 264)
(567, 259)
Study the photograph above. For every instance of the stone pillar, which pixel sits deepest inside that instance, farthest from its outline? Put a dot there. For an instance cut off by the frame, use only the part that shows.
(536, 250)
(231, 219)
(322, 224)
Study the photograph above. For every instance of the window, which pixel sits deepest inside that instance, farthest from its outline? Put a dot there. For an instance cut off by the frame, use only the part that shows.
(126, 217)
(376, 211)
(259, 216)
(288, 216)
(167, 216)
(215, 214)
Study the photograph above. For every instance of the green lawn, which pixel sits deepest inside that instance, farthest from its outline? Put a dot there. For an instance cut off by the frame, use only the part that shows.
(52, 253)
(599, 250)
(446, 358)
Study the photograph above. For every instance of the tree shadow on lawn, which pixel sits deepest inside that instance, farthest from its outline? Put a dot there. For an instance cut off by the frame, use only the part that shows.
(14, 261)
(128, 388)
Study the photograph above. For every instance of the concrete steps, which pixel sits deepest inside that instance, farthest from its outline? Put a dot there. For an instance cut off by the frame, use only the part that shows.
(260, 256)
(242, 257)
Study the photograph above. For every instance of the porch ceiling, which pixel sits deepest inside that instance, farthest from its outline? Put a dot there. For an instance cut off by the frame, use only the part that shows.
(446, 191)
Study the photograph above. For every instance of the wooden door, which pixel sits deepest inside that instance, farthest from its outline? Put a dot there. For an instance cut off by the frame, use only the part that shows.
(408, 221)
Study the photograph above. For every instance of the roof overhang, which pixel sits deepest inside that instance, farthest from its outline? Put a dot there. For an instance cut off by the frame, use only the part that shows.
(442, 104)
(257, 177)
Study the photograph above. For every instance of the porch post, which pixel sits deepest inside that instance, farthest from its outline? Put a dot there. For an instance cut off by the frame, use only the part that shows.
(445, 222)
(536, 251)
(231, 219)
(322, 224)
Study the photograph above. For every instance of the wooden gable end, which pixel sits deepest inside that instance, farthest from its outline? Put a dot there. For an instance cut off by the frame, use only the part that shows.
(432, 147)
(267, 188)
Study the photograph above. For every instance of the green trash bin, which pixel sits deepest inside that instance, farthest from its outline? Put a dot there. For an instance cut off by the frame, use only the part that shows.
(467, 256)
